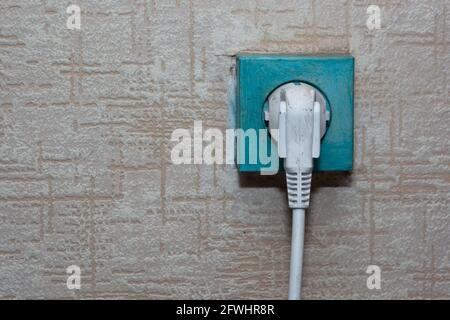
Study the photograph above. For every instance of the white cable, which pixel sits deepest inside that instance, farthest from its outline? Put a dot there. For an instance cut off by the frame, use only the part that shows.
(299, 114)
(298, 236)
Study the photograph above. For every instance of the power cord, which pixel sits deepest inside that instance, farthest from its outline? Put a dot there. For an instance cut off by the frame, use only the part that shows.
(297, 119)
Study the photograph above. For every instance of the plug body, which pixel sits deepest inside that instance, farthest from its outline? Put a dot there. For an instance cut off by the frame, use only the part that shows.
(297, 121)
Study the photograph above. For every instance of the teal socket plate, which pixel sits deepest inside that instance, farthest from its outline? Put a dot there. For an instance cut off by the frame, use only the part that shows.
(259, 75)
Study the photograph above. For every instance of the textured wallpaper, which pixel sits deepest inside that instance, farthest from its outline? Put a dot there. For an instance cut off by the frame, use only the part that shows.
(86, 178)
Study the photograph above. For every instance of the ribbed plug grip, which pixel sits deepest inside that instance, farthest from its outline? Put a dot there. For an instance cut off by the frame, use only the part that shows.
(298, 188)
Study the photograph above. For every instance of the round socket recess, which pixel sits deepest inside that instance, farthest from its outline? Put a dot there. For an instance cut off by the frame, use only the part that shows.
(272, 107)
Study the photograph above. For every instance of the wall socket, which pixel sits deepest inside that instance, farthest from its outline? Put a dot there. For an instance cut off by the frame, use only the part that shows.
(258, 76)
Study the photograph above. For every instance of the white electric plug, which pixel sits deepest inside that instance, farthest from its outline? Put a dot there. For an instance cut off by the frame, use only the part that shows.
(297, 119)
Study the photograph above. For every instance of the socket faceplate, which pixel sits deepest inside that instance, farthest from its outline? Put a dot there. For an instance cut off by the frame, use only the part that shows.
(259, 75)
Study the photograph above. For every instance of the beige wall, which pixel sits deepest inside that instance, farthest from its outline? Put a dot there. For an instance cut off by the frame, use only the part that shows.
(85, 172)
